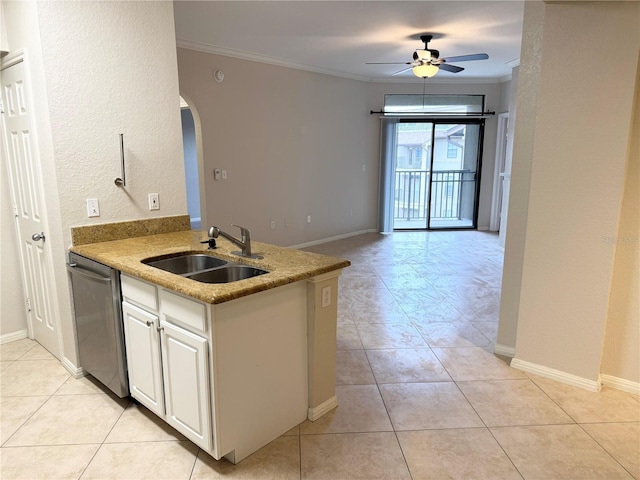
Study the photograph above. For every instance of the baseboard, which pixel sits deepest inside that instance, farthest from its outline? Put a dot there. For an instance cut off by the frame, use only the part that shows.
(76, 372)
(332, 239)
(620, 384)
(316, 412)
(504, 350)
(559, 376)
(12, 337)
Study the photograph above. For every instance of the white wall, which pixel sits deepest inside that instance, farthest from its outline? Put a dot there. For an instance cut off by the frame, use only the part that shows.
(621, 356)
(294, 144)
(556, 260)
(98, 69)
(112, 72)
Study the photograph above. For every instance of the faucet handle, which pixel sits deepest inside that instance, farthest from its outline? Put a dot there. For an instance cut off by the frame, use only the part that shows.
(246, 234)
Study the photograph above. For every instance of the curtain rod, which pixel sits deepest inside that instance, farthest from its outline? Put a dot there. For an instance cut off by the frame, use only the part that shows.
(432, 114)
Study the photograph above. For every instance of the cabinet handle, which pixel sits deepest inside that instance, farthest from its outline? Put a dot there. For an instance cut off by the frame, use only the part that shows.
(159, 329)
(149, 323)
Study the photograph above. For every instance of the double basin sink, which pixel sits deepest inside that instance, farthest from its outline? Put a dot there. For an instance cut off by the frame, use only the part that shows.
(204, 268)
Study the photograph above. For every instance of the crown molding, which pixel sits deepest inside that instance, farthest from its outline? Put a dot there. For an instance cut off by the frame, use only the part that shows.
(229, 52)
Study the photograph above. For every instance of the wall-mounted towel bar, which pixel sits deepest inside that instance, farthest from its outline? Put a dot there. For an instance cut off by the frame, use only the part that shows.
(121, 181)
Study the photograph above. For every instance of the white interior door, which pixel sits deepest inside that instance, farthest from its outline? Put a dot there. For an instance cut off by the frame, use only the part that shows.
(26, 193)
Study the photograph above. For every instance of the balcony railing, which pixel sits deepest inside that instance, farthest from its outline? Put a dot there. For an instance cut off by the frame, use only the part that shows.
(412, 194)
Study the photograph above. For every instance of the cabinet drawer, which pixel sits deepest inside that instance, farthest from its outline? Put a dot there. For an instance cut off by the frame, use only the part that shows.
(184, 312)
(139, 293)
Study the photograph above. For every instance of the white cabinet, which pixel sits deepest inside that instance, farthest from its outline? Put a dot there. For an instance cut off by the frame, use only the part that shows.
(186, 384)
(143, 357)
(168, 364)
(230, 377)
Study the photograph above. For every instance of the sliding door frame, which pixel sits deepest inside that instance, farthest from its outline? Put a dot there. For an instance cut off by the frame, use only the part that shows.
(450, 121)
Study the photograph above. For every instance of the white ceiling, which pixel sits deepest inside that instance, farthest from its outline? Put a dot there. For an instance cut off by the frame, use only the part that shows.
(339, 37)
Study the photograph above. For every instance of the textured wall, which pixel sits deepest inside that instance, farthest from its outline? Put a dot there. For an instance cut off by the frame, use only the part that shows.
(98, 69)
(113, 71)
(523, 131)
(570, 202)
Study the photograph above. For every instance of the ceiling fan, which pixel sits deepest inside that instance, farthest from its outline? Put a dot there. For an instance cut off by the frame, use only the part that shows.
(427, 62)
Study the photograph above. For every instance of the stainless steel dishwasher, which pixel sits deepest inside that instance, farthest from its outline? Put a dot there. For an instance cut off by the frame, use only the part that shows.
(98, 322)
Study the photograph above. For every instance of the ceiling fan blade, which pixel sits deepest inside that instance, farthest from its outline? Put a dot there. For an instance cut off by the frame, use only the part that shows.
(400, 71)
(466, 58)
(389, 63)
(450, 68)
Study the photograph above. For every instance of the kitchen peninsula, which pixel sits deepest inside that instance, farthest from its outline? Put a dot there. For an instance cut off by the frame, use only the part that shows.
(234, 365)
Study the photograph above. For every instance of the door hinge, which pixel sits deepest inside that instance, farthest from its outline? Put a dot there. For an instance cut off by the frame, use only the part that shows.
(1, 105)
(15, 209)
(28, 304)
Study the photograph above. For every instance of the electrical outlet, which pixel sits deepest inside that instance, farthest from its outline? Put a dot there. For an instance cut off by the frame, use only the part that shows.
(224, 174)
(308, 218)
(273, 225)
(154, 201)
(326, 296)
(93, 209)
(217, 174)
(286, 223)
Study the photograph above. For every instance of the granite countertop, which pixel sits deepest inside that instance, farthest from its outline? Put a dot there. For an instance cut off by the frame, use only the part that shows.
(285, 265)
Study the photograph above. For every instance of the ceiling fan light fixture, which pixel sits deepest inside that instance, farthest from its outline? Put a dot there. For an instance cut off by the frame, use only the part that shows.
(425, 71)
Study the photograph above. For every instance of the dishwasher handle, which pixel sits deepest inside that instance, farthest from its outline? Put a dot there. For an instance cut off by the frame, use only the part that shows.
(88, 274)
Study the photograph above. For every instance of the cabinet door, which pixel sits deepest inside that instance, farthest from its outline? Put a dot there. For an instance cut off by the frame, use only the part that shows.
(143, 357)
(186, 383)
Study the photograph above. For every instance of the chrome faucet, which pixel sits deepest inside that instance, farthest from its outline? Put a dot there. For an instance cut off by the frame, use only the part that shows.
(244, 243)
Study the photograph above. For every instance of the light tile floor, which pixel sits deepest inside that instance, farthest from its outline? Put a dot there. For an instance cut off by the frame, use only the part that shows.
(421, 394)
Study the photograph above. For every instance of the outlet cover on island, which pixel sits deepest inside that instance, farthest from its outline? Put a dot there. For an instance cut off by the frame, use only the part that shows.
(326, 296)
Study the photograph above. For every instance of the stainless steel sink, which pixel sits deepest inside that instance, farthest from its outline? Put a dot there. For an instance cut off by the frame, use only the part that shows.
(230, 273)
(187, 263)
(204, 268)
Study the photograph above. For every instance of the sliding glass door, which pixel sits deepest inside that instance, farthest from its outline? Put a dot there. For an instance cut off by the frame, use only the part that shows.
(435, 175)
(412, 162)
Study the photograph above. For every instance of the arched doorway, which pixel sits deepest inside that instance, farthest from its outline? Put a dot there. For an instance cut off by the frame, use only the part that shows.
(192, 146)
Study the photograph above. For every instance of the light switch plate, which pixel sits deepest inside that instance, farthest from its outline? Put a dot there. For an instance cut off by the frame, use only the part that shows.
(93, 209)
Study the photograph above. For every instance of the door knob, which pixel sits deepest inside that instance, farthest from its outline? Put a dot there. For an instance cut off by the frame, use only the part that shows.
(37, 236)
